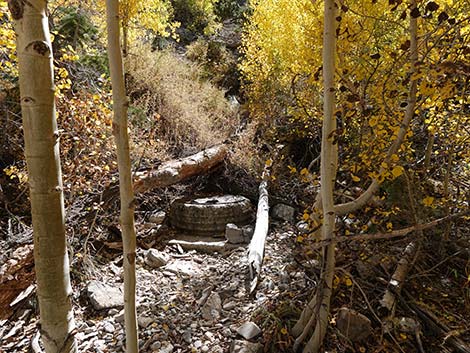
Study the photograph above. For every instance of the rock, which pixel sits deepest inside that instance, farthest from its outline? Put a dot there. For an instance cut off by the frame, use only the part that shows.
(103, 296)
(239, 346)
(249, 330)
(113, 312)
(212, 308)
(283, 212)
(119, 317)
(156, 345)
(229, 305)
(407, 324)
(144, 321)
(353, 325)
(108, 327)
(157, 217)
(247, 233)
(303, 227)
(183, 267)
(166, 347)
(197, 344)
(234, 234)
(155, 258)
(187, 336)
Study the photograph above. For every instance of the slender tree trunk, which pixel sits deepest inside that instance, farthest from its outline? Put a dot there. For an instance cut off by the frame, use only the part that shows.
(329, 158)
(45, 180)
(120, 104)
(319, 308)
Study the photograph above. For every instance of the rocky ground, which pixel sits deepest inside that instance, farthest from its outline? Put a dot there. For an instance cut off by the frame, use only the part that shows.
(193, 301)
(187, 301)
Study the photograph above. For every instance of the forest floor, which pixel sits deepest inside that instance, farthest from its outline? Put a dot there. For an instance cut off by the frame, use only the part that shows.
(197, 302)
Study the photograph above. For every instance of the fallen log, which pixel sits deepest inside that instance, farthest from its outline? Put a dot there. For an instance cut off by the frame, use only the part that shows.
(437, 326)
(204, 246)
(175, 171)
(256, 247)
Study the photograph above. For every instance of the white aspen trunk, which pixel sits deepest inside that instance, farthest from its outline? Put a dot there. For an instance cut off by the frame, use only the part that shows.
(328, 166)
(317, 311)
(120, 104)
(45, 180)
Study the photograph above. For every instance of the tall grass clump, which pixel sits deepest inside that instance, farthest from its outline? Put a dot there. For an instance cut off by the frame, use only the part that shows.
(172, 108)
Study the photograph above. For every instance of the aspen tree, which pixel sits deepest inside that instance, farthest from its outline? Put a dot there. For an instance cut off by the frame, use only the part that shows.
(121, 137)
(41, 137)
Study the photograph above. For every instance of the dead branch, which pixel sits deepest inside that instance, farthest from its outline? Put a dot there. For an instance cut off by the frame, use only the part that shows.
(256, 247)
(204, 246)
(175, 171)
(393, 234)
(438, 328)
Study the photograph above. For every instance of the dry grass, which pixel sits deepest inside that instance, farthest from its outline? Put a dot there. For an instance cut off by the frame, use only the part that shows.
(174, 111)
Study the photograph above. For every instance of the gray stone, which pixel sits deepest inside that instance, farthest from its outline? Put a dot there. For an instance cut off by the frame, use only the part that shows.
(239, 346)
(166, 347)
(303, 227)
(113, 312)
(283, 212)
(212, 308)
(108, 327)
(353, 325)
(187, 336)
(229, 305)
(157, 217)
(249, 330)
(119, 317)
(103, 296)
(155, 258)
(408, 324)
(233, 234)
(144, 321)
(248, 233)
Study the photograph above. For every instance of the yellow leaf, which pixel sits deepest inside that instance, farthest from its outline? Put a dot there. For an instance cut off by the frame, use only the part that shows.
(268, 163)
(397, 171)
(348, 282)
(304, 171)
(389, 226)
(355, 178)
(300, 239)
(428, 201)
(403, 336)
(373, 122)
(336, 282)
(284, 331)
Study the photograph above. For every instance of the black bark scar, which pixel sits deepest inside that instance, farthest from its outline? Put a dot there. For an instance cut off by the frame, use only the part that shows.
(16, 9)
(40, 47)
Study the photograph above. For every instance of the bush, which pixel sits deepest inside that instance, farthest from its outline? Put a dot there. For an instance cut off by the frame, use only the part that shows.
(195, 15)
(183, 112)
(218, 63)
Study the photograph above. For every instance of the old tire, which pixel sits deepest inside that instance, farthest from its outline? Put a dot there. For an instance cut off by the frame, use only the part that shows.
(211, 214)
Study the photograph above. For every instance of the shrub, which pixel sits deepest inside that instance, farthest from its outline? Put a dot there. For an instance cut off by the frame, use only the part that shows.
(218, 63)
(185, 112)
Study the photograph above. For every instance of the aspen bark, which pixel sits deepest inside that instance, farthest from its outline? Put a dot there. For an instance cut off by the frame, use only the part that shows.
(329, 158)
(317, 311)
(41, 137)
(121, 137)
